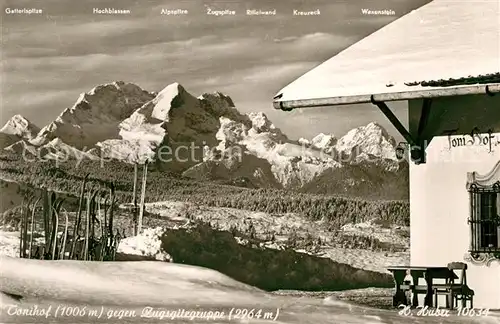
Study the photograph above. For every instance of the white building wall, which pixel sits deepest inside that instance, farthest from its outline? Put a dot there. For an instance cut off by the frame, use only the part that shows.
(439, 201)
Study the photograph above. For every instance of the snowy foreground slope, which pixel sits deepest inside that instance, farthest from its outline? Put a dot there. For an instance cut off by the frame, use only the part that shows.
(113, 288)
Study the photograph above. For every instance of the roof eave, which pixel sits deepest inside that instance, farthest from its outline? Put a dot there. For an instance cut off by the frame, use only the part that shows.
(489, 89)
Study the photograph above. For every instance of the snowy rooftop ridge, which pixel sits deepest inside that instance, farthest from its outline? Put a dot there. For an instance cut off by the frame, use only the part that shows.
(440, 43)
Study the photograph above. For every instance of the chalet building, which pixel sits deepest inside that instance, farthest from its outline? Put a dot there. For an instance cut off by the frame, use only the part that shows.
(443, 62)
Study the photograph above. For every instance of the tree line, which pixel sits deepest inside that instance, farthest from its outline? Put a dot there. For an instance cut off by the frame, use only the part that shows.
(161, 185)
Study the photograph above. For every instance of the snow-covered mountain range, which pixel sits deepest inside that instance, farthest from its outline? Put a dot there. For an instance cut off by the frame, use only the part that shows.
(203, 137)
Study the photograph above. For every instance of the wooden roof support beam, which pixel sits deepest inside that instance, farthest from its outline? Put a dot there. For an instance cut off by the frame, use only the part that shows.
(394, 121)
(417, 146)
(424, 118)
(422, 124)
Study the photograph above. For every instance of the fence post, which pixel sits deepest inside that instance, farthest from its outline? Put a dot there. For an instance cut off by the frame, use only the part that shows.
(143, 194)
(65, 236)
(46, 216)
(53, 218)
(134, 198)
(78, 220)
(24, 228)
(111, 206)
(32, 227)
(87, 227)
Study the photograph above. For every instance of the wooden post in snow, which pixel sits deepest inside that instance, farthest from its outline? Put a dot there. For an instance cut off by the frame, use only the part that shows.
(134, 198)
(143, 195)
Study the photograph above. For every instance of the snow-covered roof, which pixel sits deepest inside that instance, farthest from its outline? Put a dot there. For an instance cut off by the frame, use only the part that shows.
(456, 41)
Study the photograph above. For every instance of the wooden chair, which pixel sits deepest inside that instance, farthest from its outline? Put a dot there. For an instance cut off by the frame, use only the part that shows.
(461, 291)
(455, 291)
(443, 289)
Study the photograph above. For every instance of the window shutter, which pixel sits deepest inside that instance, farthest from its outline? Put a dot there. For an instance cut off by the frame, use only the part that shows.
(498, 203)
(475, 198)
(498, 219)
(498, 236)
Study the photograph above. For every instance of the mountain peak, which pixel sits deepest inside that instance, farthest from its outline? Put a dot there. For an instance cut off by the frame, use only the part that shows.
(20, 126)
(173, 87)
(260, 122)
(96, 114)
(103, 91)
(374, 125)
(171, 97)
(218, 99)
(371, 139)
(21, 147)
(324, 141)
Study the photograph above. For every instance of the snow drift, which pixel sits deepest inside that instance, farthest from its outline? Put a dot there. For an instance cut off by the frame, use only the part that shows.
(136, 287)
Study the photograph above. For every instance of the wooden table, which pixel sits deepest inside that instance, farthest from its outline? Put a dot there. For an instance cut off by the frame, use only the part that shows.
(428, 273)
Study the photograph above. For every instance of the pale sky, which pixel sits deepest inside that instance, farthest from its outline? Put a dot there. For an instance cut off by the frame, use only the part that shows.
(49, 59)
